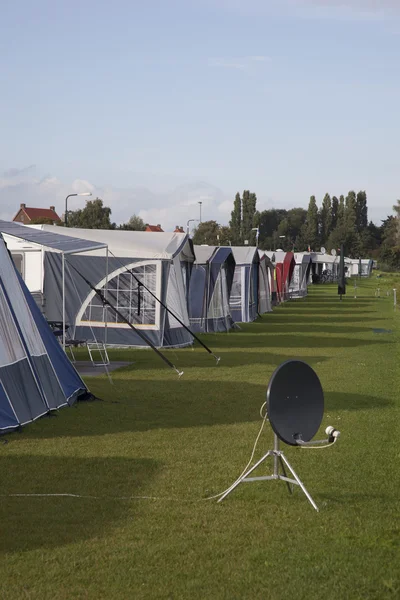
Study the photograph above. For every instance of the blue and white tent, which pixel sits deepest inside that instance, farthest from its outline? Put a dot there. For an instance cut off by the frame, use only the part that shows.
(35, 373)
(244, 295)
(210, 289)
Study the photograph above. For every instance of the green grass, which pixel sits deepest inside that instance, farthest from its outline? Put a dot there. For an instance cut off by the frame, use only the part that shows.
(180, 441)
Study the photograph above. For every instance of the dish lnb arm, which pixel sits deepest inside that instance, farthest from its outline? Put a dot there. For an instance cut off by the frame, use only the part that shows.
(330, 431)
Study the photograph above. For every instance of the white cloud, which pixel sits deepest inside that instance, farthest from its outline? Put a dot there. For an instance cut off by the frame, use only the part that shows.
(169, 209)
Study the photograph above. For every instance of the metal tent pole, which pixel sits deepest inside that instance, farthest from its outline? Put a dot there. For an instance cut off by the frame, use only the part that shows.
(63, 300)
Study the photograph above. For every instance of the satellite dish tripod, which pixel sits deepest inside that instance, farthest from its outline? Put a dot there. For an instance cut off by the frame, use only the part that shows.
(295, 407)
(279, 463)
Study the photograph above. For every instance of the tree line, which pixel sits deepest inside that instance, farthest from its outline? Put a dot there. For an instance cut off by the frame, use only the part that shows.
(338, 220)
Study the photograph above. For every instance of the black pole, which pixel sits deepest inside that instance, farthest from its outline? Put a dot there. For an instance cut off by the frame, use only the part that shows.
(139, 333)
(66, 209)
(217, 358)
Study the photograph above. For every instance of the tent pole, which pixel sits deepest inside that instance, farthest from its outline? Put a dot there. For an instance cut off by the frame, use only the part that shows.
(105, 295)
(63, 301)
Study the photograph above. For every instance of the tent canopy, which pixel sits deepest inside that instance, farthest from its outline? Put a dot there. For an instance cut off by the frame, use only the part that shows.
(134, 244)
(52, 240)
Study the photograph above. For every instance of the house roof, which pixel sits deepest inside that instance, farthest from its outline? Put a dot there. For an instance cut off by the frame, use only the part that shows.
(154, 228)
(40, 213)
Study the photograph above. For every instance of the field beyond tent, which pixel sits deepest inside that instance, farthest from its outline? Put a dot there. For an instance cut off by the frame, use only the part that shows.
(147, 455)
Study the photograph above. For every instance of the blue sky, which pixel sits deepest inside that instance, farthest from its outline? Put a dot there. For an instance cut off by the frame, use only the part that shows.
(156, 105)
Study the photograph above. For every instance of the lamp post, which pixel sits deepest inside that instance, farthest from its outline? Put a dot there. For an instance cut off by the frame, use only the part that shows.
(187, 224)
(200, 203)
(66, 205)
(257, 230)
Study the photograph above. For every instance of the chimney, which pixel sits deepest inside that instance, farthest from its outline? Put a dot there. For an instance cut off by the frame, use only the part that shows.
(23, 205)
(158, 225)
(52, 208)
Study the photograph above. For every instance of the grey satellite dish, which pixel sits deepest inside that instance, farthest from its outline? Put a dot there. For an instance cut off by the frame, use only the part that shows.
(295, 408)
(323, 250)
(333, 252)
(295, 402)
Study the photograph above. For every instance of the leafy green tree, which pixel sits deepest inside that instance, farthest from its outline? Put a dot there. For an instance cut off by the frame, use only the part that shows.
(389, 254)
(350, 220)
(135, 223)
(206, 233)
(249, 202)
(340, 212)
(225, 236)
(335, 209)
(235, 223)
(268, 222)
(93, 216)
(45, 221)
(325, 217)
(361, 211)
(311, 233)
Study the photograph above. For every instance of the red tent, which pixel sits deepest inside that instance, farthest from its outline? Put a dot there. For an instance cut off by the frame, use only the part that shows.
(284, 272)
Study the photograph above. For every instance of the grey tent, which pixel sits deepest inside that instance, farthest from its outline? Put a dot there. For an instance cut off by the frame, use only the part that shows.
(301, 275)
(266, 276)
(36, 376)
(244, 296)
(210, 289)
(162, 262)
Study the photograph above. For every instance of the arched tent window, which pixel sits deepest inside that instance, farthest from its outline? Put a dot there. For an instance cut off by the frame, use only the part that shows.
(130, 298)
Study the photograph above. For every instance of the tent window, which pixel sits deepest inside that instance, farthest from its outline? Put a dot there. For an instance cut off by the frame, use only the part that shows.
(18, 261)
(122, 292)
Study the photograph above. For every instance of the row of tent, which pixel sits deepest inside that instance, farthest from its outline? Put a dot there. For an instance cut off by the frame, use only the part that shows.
(157, 281)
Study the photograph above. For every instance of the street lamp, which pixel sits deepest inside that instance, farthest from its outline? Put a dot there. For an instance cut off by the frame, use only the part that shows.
(200, 203)
(66, 204)
(187, 224)
(257, 230)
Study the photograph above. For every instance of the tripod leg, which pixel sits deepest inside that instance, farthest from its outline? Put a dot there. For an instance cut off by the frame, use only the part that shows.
(311, 501)
(289, 485)
(236, 483)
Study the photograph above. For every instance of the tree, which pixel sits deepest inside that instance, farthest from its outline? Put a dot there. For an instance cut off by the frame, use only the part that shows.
(236, 220)
(225, 236)
(268, 223)
(340, 212)
(311, 225)
(93, 216)
(325, 217)
(350, 221)
(249, 202)
(135, 223)
(44, 221)
(361, 212)
(206, 233)
(335, 209)
(389, 255)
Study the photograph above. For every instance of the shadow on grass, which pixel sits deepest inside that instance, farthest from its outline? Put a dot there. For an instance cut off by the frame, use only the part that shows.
(134, 406)
(347, 401)
(29, 523)
(265, 340)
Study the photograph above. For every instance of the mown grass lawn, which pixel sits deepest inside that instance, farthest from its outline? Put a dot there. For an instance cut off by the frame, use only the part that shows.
(179, 441)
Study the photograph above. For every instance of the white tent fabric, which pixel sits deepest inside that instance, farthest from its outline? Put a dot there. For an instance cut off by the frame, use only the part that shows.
(132, 244)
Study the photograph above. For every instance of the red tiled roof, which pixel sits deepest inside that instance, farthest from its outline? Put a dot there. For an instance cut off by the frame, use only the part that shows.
(40, 213)
(153, 228)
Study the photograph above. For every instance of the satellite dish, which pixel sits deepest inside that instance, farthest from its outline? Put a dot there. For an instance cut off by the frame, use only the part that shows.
(295, 407)
(295, 402)
(323, 250)
(333, 252)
